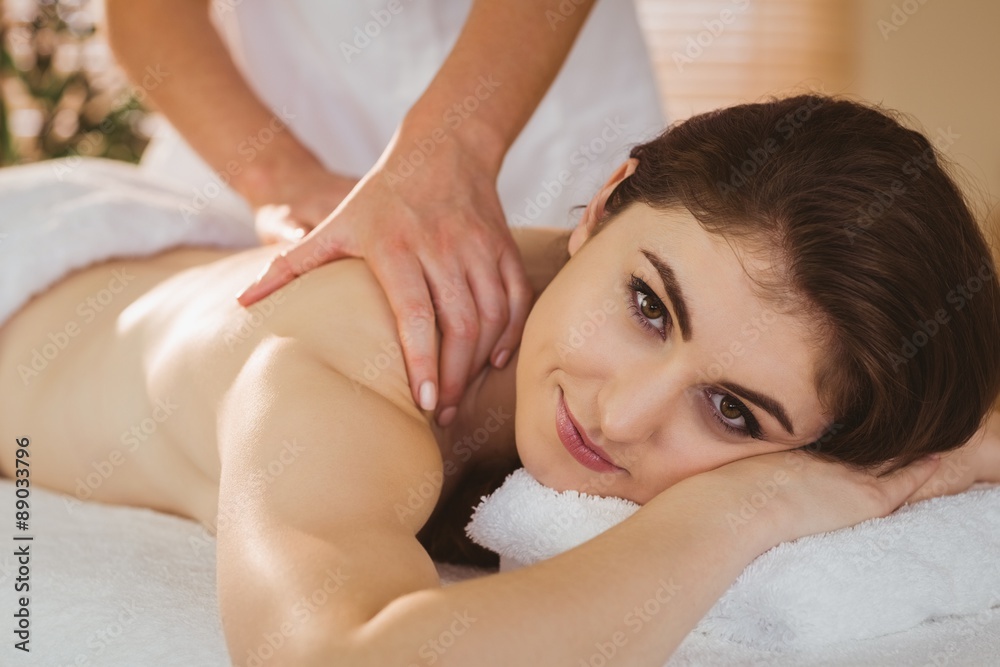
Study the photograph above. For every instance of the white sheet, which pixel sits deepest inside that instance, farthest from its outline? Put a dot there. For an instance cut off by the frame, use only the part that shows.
(122, 586)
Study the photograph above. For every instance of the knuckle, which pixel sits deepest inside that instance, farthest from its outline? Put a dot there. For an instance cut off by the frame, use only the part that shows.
(423, 364)
(419, 361)
(452, 289)
(393, 246)
(416, 311)
(494, 312)
(462, 328)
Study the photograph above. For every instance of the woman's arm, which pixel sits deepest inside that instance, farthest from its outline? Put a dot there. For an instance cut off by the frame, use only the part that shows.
(977, 460)
(322, 492)
(988, 468)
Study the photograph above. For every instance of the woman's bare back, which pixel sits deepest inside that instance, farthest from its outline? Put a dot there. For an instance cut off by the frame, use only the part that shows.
(116, 372)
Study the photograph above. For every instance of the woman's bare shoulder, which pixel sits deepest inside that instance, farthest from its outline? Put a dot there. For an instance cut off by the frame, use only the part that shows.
(340, 313)
(355, 439)
(314, 476)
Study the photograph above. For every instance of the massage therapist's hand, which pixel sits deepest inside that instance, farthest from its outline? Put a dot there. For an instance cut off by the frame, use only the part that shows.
(434, 234)
(792, 494)
(291, 208)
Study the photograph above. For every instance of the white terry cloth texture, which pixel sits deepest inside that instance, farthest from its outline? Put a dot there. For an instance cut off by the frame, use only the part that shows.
(932, 559)
(62, 215)
(122, 586)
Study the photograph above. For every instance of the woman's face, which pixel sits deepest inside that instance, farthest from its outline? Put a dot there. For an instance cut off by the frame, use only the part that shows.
(605, 340)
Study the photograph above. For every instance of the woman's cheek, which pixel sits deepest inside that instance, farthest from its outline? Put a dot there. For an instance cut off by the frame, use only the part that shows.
(580, 324)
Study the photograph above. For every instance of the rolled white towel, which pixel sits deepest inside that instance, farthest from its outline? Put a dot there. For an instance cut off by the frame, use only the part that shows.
(934, 558)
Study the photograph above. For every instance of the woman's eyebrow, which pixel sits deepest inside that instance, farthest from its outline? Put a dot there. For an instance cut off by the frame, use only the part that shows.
(675, 294)
(776, 409)
(673, 289)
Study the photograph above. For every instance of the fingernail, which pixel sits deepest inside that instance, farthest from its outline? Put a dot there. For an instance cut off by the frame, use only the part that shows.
(447, 415)
(501, 358)
(428, 397)
(241, 295)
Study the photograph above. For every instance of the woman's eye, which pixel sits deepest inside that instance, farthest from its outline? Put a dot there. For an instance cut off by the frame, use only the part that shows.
(728, 407)
(646, 306)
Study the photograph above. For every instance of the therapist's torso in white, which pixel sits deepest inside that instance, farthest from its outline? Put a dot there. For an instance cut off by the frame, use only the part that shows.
(343, 74)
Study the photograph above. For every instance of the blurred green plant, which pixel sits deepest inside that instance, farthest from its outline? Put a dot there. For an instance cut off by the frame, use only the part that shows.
(62, 95)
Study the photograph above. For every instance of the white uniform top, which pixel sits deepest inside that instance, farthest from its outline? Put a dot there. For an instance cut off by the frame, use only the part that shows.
(343, 74)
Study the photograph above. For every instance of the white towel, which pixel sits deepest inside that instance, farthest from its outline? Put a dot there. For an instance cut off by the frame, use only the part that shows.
(62, 215)
(935, 558)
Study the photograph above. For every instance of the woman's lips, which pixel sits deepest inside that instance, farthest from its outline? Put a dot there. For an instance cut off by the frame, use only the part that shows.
(572, 440)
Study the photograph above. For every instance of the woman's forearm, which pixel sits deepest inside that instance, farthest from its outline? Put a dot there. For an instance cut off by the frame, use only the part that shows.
(202, 93)
(642, 585)
(989, 450)
(634, 591)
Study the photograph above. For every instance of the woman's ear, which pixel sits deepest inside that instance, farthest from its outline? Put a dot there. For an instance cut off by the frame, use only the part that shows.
(595, 209)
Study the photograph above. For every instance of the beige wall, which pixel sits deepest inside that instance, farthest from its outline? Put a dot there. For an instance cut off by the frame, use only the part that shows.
(936, 60)
(942, 66)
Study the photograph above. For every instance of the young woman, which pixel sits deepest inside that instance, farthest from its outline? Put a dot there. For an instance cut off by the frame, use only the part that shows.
(792, 293)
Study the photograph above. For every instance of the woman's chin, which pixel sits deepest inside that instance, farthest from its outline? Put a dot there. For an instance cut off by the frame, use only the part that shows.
(548, 477)
(539, 473)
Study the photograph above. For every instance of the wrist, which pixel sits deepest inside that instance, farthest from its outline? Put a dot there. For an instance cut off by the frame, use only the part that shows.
(268, 177)
(709, 501)
(460, 126)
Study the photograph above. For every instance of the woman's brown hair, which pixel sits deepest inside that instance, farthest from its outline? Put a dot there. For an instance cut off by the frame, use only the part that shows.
(873, 241)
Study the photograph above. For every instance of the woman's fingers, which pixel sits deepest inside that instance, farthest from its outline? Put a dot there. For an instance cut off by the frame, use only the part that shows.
(812, 495)
(902, 484)
(959, 469)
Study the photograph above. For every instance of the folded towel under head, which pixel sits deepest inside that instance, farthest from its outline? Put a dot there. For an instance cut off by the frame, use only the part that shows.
(931, 559)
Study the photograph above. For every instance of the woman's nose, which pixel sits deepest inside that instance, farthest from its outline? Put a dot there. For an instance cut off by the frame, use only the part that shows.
(637, 400)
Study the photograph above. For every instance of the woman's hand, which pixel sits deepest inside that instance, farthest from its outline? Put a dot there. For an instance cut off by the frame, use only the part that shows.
(428, 221)
(792, 494)
(978, 460)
